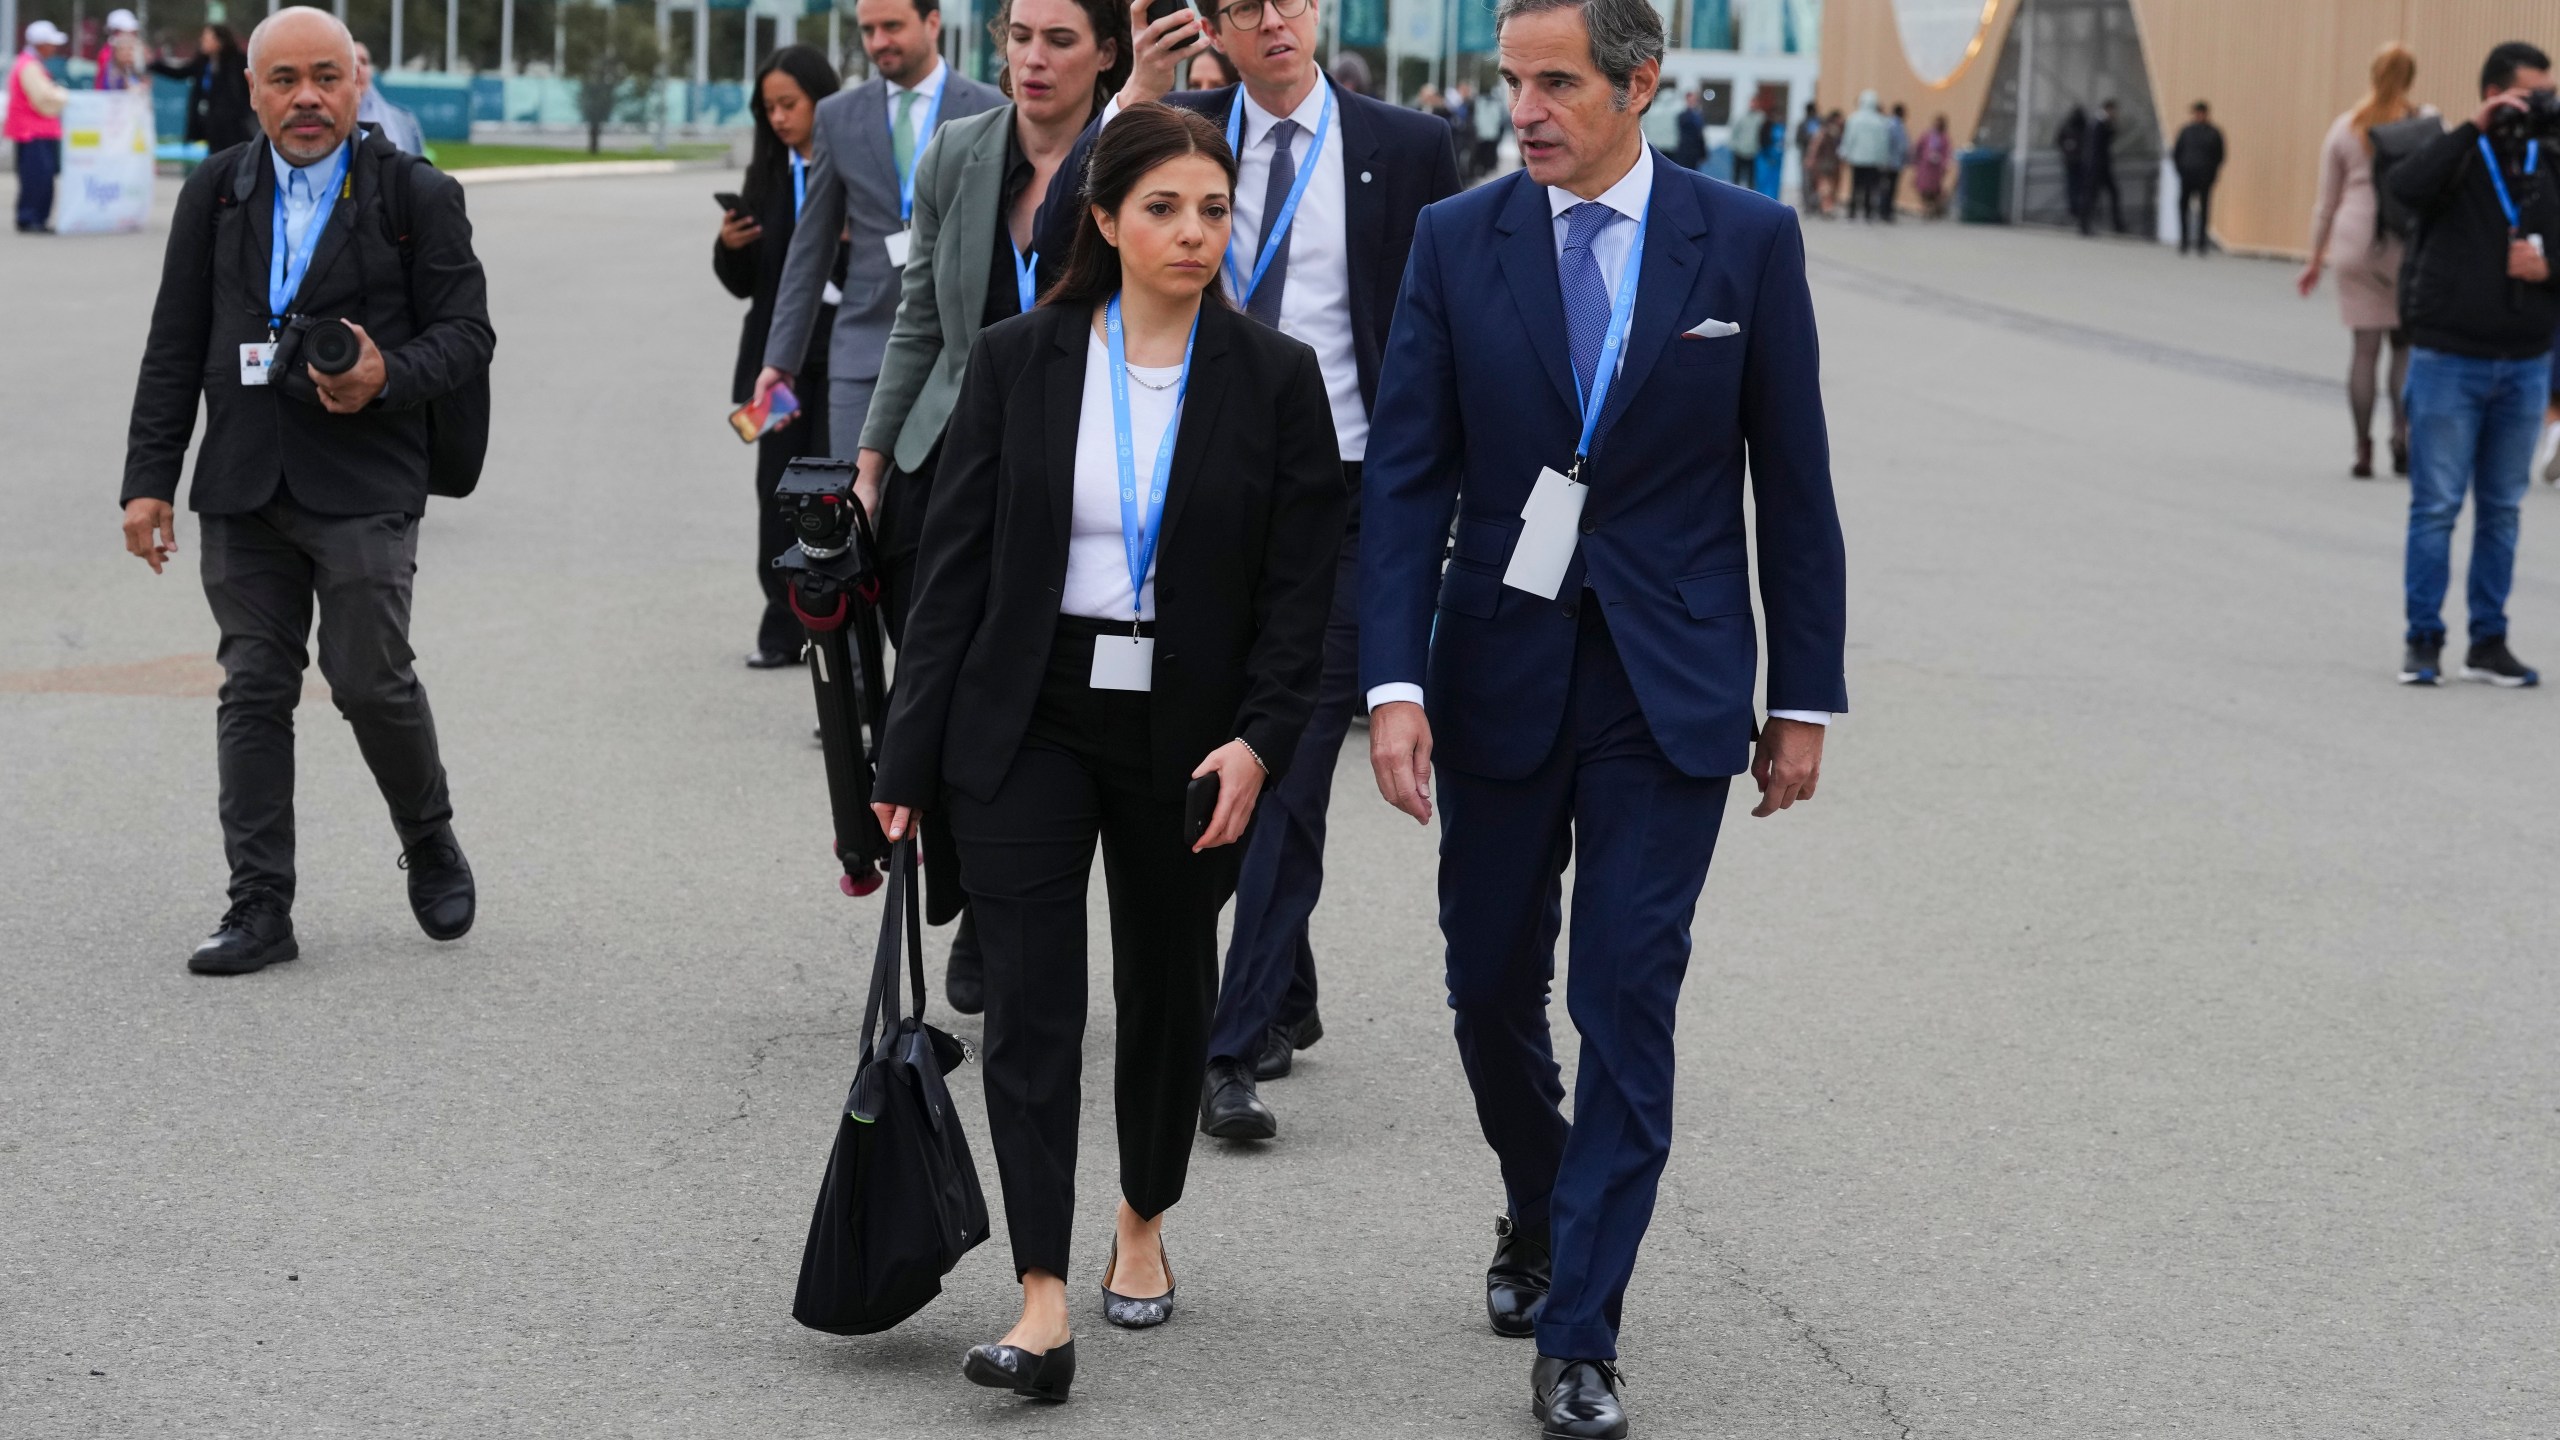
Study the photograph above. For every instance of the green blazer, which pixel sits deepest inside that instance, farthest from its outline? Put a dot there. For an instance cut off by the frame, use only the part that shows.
(959, 187)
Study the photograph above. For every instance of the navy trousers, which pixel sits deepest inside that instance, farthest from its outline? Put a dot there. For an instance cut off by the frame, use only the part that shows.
(1645, 833)
(1270, 977)
(38, 162)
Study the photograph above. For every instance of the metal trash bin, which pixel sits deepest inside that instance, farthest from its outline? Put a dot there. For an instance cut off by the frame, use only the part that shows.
(1982, 186)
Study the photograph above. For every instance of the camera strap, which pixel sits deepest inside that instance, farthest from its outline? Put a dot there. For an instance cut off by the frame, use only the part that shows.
(288, 263)
(2498, 177)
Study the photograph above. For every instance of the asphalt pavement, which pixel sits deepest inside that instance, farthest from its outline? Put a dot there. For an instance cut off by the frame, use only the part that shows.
(2148, 1030)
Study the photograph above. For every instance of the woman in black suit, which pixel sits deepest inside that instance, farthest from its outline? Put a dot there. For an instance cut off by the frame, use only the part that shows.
(217, 81)
(1098, 624)
(748, 259)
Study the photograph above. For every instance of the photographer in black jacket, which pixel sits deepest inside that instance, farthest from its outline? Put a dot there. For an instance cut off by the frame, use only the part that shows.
(2480, 306)
(309, 485)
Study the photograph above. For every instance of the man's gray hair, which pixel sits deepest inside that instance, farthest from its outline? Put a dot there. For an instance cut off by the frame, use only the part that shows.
(1624, 33)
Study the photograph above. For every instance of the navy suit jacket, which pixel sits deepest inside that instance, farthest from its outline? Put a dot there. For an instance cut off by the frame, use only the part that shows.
(1394, 162)
(1478, 393)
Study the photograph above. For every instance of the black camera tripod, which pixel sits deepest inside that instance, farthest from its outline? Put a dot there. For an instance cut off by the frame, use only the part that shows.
(835, 592)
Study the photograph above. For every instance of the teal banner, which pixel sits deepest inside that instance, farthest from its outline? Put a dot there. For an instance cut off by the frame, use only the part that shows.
(1475, 26)
(1364, 23)
(1711, 24)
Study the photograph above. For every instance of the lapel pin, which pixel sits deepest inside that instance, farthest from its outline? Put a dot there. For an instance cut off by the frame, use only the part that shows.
(1364, 177)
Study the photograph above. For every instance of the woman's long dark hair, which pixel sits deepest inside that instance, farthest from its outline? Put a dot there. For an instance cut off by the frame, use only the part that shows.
(1109, 22)
(229, 53)
(769, 163)
(1138, 140)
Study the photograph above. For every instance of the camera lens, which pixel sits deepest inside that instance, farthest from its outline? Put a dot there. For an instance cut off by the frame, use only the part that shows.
(331, 348)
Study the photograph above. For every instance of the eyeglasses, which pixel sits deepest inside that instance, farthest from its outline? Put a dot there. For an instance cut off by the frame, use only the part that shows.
(1247, 14)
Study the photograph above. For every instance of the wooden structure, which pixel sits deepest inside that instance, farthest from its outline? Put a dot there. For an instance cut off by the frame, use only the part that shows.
(2276, 72)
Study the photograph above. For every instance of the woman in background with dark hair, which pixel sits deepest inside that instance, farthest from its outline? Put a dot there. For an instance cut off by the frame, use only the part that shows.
(217, 79)
(1123, 590)
(754, 238)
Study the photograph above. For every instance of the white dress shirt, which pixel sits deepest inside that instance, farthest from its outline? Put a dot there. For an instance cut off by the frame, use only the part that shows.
(1315, 308)
(1610, 251)
(1097, 585)
(924, 90)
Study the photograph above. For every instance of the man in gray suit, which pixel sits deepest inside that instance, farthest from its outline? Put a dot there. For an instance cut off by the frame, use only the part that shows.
(861, 192)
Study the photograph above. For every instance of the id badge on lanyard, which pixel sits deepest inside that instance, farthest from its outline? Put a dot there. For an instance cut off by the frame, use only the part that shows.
(1551, 523)
(1128, 662)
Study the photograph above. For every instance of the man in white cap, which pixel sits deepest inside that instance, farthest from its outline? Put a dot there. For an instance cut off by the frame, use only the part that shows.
(35, 125)
(120, 64)
(393, 122)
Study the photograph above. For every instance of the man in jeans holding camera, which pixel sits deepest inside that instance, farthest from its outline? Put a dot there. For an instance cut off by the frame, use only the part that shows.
(285, 265)
(2480, 305)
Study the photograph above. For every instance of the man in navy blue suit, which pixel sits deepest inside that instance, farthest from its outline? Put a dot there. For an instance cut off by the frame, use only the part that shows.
(1328, 187)
(1583, 358)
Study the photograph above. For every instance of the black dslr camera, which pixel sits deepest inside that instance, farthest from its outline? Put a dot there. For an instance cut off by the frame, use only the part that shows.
(834, 570)
(329, 347)
(2538, 120)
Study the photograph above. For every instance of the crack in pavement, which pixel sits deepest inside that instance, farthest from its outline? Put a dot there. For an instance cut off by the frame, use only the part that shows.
(1805, 1334)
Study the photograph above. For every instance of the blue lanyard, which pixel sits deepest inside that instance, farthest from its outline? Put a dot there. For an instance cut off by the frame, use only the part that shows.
(2507, 202)
(799, 184)
(1605, 372)
(285, 272)
(1026, 278)
(915, 157)
(1138, 533)
(1274, 228)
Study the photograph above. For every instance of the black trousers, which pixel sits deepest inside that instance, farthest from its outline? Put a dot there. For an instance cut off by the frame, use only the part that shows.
(1270, 977)
(779, 629)
(1084, 775)
(2101, 180)
(1862, 191)
(262, 572)
(2195, 213)
(1889, 195)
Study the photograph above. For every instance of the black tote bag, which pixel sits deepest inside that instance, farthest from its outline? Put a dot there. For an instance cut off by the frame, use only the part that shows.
(901, 1203)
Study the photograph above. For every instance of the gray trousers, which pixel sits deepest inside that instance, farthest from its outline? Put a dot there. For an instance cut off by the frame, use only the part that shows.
(263, 571)
(848, 403)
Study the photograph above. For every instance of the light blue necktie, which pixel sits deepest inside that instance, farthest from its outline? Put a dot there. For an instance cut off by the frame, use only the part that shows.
(1586, 294)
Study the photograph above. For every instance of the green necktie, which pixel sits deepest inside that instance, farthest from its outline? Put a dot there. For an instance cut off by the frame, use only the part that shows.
(902, 136)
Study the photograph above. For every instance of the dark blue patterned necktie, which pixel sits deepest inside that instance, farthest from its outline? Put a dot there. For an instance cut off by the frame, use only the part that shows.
(1586, 295)
(1264, 304)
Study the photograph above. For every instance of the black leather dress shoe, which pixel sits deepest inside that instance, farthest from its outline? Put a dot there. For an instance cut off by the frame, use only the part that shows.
(773, 659)
(1033, 1377)
(1136, 1312)
(1515, 1285)
(964, 975)
(1282, 1042)
(441, 893)
(1576, 1399)
(1230, 1108)
(256, 932)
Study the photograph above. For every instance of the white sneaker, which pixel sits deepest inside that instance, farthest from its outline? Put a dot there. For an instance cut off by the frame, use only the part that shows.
(2546, 454)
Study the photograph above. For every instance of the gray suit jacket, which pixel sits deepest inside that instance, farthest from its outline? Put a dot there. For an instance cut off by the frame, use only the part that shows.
(959, 184)
(853, 187)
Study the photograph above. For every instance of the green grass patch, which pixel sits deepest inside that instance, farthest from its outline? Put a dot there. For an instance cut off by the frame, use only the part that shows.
(455, 155)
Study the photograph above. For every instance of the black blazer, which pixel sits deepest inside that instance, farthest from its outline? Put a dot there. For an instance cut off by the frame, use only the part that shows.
(218, 114)
(1394, 162)
(753, 274)
(432, 326)
(1253, 520)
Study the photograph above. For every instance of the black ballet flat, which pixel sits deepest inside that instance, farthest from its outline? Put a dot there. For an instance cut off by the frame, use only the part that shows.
(1130, 1312)
(1010, 1367)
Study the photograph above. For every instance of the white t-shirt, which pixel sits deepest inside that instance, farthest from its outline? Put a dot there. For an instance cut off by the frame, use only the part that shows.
(1097, 560)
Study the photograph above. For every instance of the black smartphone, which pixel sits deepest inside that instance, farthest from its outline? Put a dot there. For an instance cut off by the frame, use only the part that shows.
(1162, 8)
(730, 201)
(1199, 805)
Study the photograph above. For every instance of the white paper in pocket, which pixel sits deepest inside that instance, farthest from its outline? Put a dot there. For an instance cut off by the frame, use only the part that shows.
(1713, 329)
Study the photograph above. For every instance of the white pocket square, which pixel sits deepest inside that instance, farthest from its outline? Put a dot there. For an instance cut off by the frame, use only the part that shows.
(1713, 329)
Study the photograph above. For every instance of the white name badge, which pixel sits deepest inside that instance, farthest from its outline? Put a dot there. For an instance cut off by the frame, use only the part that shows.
(831, 294)
(1124, 662)
(254, 360)
(1550, 526)
(897, 244)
